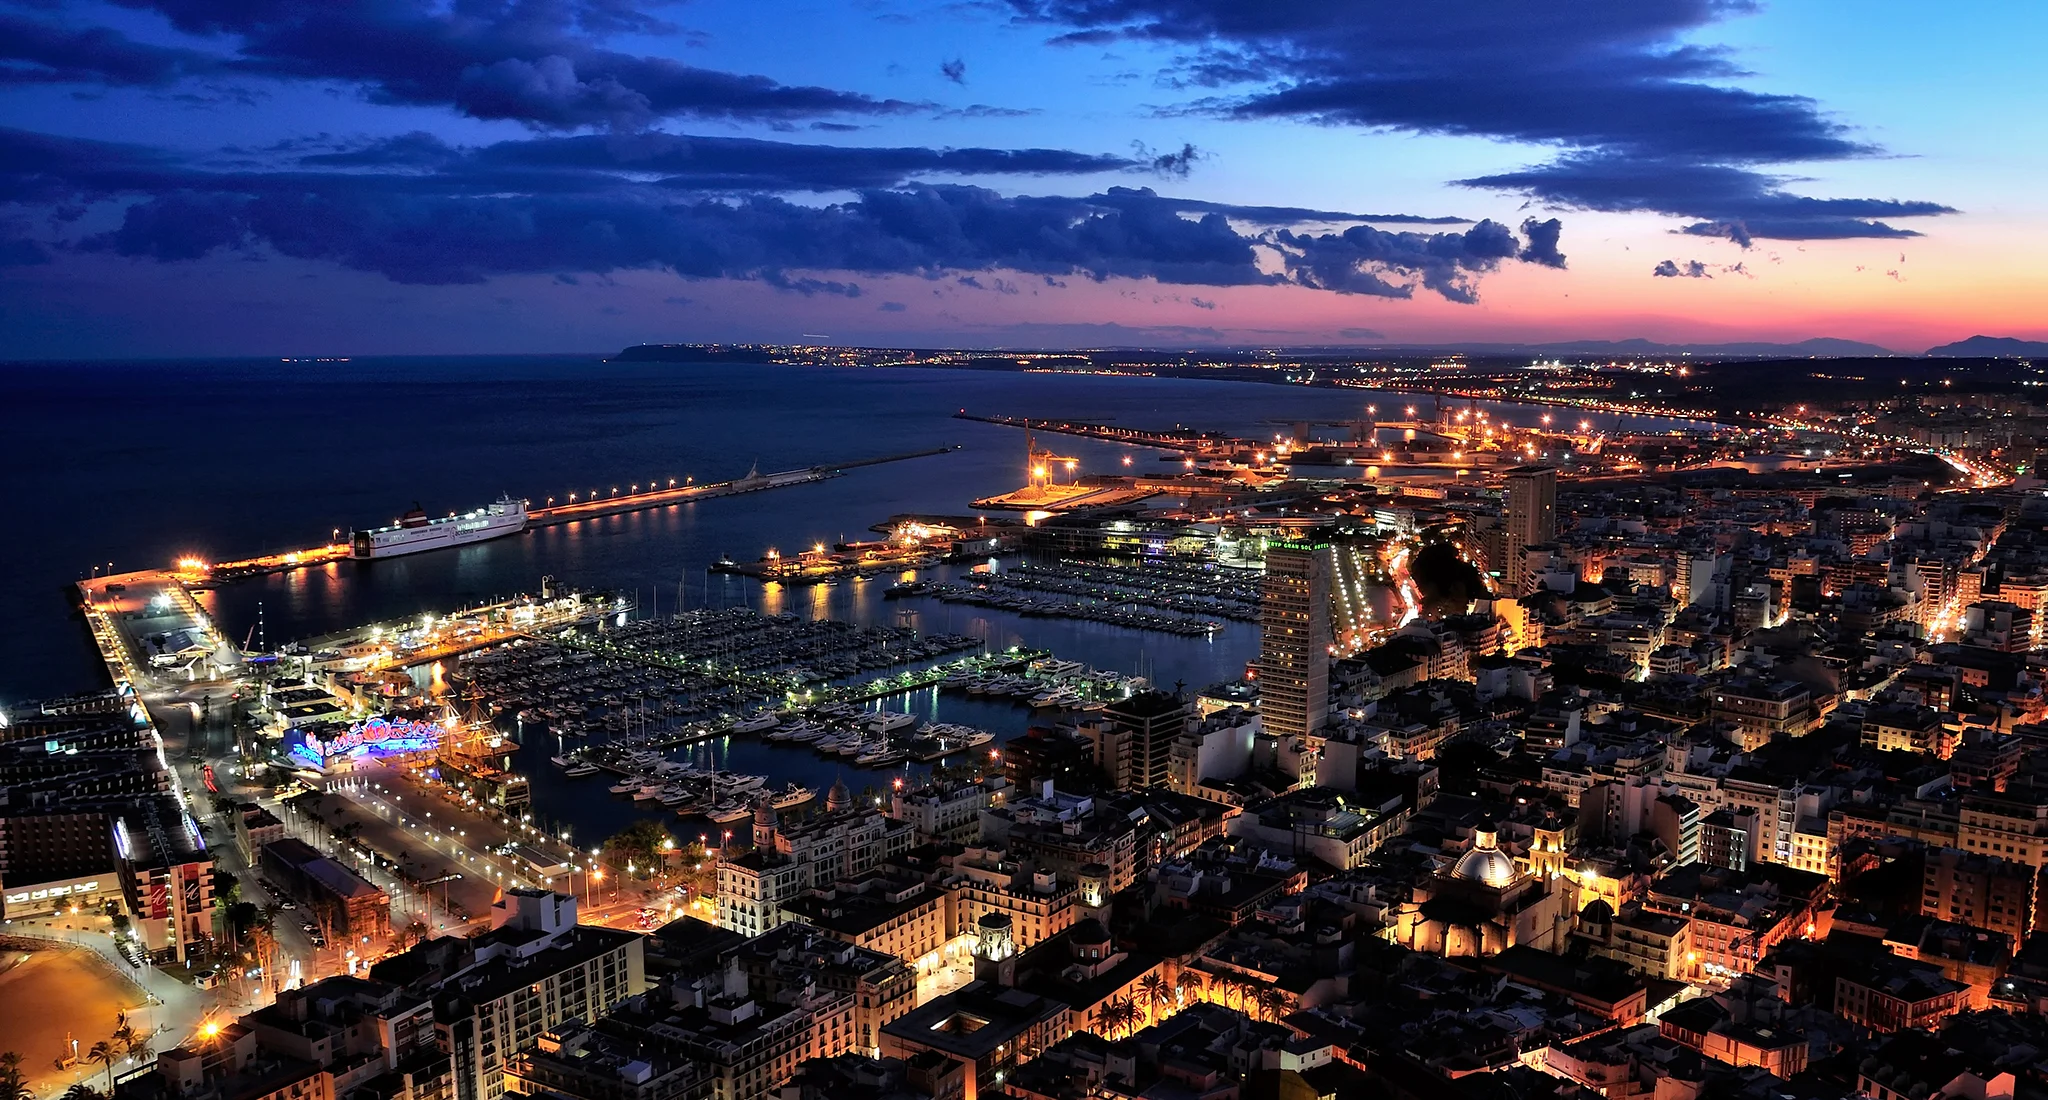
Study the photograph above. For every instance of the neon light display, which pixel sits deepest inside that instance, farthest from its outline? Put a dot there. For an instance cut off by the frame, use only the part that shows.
(376, 737)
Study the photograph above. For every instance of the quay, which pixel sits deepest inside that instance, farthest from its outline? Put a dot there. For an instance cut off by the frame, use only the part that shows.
(1181, 439)
(194, 573)
(753, 482)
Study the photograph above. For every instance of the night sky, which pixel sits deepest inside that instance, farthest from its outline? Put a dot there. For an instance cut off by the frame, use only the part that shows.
(352, 177)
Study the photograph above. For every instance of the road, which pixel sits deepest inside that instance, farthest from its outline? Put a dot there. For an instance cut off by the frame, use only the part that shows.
(419, 826)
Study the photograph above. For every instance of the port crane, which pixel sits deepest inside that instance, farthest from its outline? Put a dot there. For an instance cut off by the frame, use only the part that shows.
(1041, 464)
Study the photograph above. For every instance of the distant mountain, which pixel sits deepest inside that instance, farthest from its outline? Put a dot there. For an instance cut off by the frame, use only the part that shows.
(1819, 345)
(1992, 347)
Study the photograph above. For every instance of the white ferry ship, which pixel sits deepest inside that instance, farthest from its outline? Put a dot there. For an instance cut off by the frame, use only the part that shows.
(414, 532)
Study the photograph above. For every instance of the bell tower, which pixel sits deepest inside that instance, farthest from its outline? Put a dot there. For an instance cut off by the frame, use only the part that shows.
(995, 950)
(1094, 893)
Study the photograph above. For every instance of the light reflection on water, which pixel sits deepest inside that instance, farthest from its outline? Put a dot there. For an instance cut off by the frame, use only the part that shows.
(304, 450)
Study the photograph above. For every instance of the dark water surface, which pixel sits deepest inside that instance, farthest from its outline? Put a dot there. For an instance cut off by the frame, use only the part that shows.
(139, 464)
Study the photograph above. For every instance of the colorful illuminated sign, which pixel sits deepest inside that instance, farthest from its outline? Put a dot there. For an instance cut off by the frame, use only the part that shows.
(376, 737)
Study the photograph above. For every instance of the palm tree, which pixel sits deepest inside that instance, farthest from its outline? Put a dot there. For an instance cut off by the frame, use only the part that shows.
(1117, 1014)
(12, 1085)
(104, 1053)
(1273, 1004)
(138, 1045)
(1187, 985)
(83, 1091)
(1157, 991)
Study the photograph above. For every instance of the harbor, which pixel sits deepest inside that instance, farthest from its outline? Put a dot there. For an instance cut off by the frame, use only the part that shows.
(719, 670)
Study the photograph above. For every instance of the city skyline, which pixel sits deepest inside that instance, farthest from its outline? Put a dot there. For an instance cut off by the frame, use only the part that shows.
(189, 178)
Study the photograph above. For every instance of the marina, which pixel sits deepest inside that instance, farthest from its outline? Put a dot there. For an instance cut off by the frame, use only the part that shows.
(1168, 597)
(621, 717)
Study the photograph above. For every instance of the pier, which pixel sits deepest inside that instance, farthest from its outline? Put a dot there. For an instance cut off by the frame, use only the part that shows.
(1180, 439)
(754, 482)
(193, 572)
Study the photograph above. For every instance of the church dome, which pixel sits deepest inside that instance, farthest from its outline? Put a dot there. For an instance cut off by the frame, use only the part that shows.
(764, 815)
(1485, 863)
(838, 798)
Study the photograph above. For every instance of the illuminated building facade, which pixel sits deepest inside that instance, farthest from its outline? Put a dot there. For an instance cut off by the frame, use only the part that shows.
(1295, 638)
(1531, 520)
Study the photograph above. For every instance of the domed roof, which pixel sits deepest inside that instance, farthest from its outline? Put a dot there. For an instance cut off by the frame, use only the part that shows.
(1488, 865)
(1485, 862)
(764, 815)
(838, 798)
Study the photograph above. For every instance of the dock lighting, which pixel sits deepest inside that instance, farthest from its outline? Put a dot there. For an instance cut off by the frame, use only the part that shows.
(818, 547)
(1038, 471)
(1189, 463)
(1127, 460)
(1585, 424)
(671, 483)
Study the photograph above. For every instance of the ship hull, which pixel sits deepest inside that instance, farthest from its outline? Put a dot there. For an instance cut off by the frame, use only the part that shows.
(495, 522)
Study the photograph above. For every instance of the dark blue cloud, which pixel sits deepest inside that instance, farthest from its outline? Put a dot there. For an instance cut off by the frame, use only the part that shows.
(36, 51)
(22, 252)
(1269, 215)
(1690, 269)
(1737, 203)
(1542, 246)
(1365, 260)
(421, 219)
(1175, 164)
(1608, 82)
(540, 62)
(717, 163)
